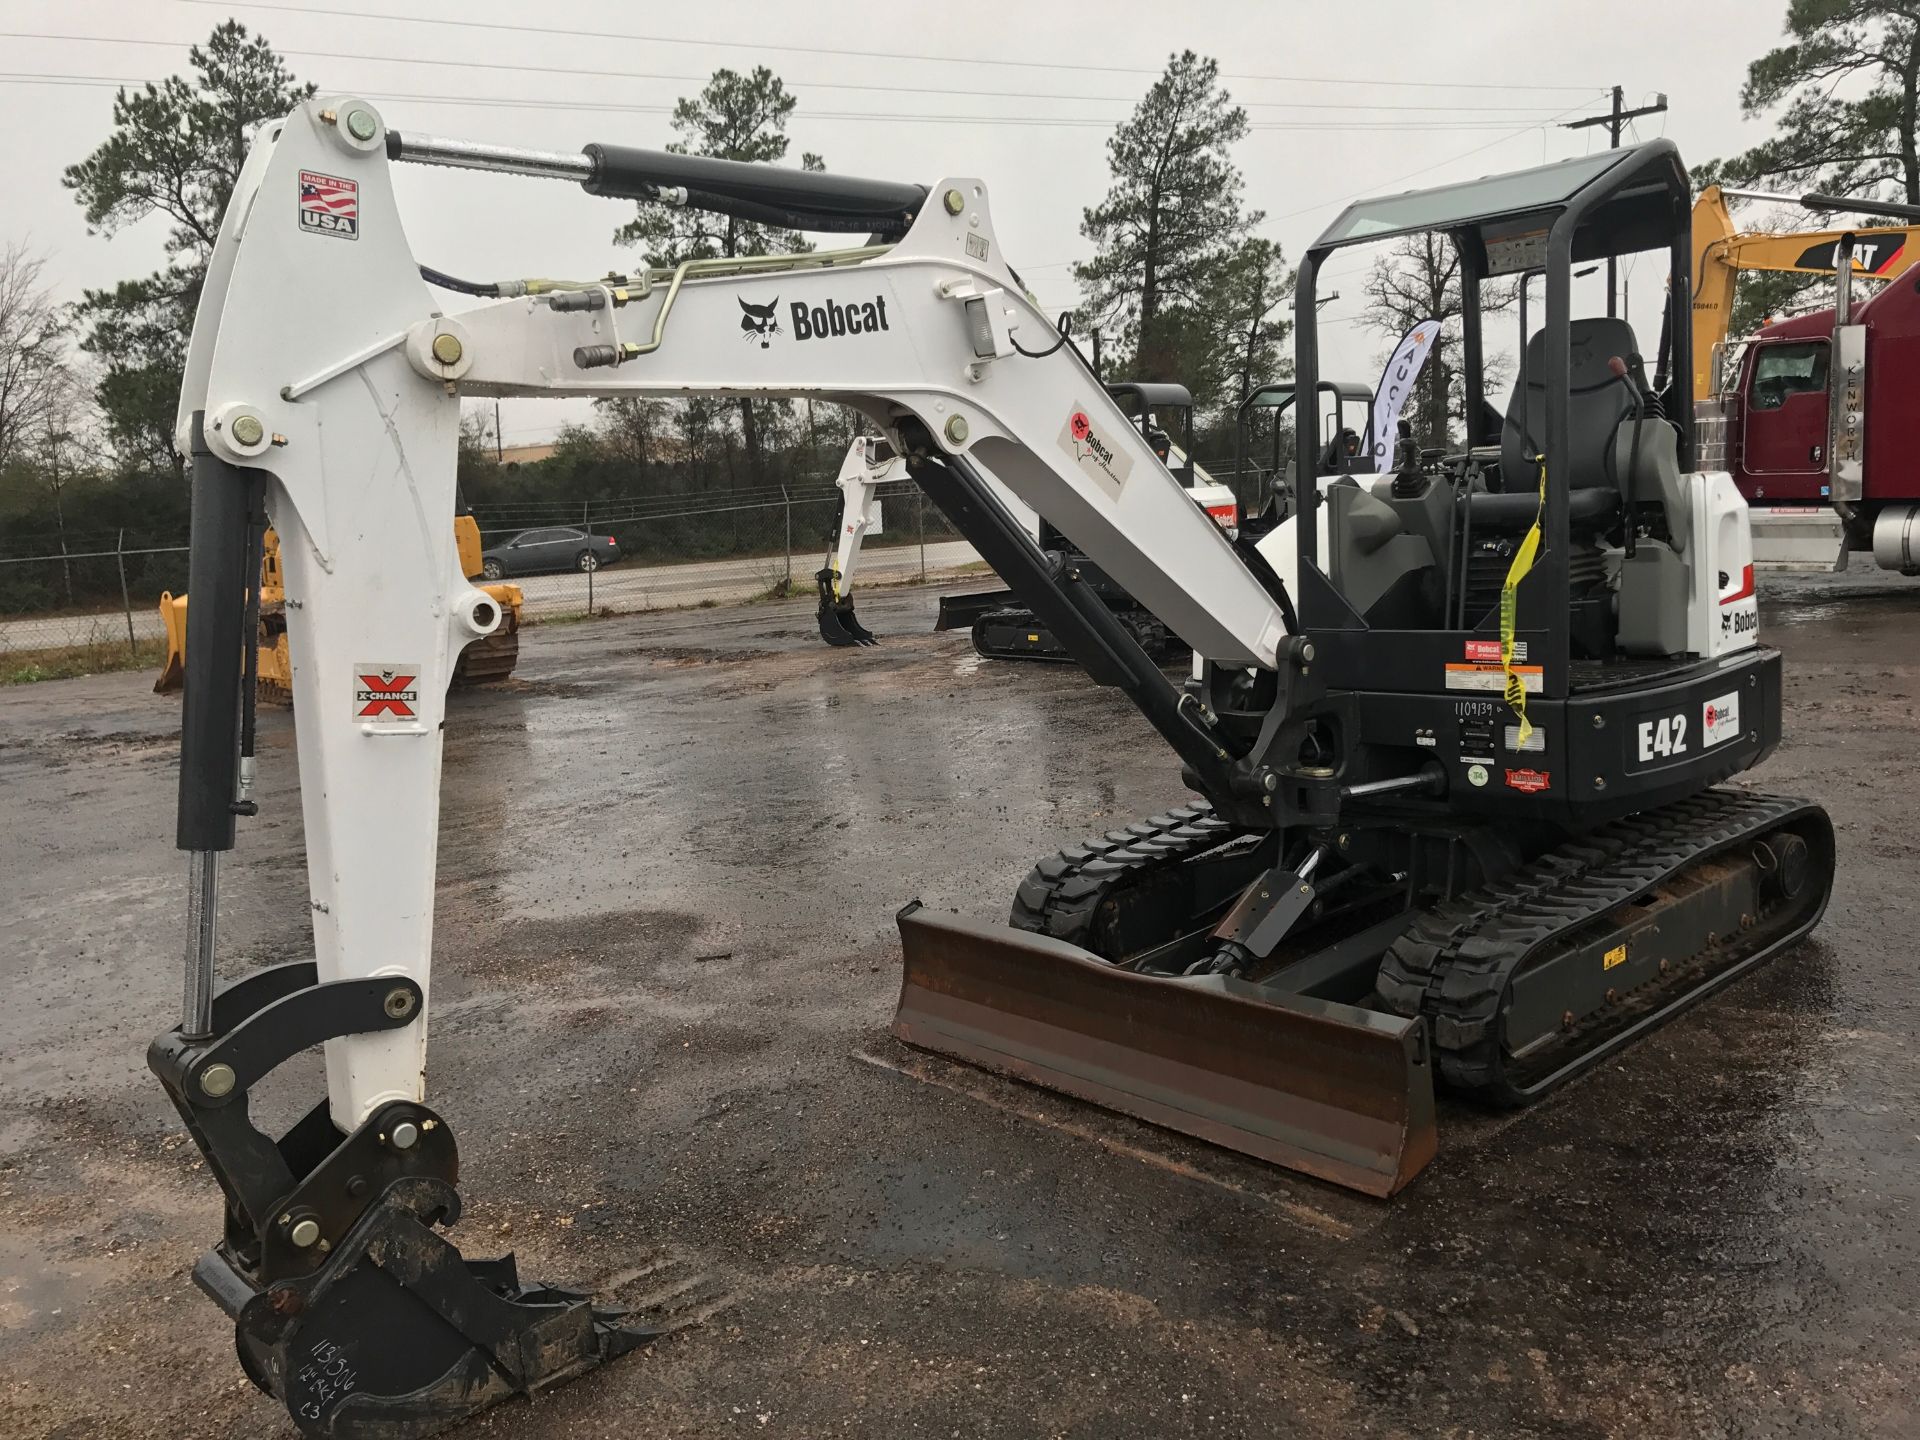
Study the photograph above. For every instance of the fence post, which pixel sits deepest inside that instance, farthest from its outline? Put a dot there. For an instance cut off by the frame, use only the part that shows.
(920, 517)
(590, 575)
(126, 600)
(786, 504)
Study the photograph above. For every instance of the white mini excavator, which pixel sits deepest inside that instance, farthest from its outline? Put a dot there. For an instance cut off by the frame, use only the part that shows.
(1454, 733)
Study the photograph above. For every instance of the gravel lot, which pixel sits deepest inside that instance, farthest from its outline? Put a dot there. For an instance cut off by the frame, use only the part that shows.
(671, 852)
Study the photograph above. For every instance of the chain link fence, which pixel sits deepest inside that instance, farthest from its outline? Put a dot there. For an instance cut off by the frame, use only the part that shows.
(104, 604)
(749, 550)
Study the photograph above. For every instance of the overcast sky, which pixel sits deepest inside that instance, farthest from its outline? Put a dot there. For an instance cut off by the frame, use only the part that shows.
(1021, 94)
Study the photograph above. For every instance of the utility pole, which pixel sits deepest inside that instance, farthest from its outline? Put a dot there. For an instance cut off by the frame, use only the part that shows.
(499, 444)
(1615, 121)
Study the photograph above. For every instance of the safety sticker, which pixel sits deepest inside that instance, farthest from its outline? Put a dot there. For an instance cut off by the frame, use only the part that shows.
(1488, 651)
(386, 694)
(1517, 685)
(1108, 465)
(1476, 775)
(1482, 675)
(1536, 741)
(977, 246)
(1616, 956)
(1528, 782)
(329, 205)
(1720, 720)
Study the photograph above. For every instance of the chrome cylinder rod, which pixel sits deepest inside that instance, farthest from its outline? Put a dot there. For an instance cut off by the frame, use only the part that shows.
(203, 906)
(415, 149)
(1425, 782)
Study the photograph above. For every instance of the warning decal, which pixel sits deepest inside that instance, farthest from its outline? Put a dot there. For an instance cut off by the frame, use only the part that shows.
(1493, 676)
(385, 694)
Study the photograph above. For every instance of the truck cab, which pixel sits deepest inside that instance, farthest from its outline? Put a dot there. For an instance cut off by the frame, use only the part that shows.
(1822, 436)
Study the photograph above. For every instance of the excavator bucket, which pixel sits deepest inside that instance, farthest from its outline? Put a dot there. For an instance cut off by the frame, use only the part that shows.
(838, 624)
(173, 620)
(1330, 1090)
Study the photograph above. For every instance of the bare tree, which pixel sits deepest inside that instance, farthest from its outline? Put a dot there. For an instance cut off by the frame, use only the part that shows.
(1419, 279)
(33, 349)
(57, 444)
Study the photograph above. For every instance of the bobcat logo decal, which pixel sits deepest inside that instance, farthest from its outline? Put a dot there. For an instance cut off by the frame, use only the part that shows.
(759, 322)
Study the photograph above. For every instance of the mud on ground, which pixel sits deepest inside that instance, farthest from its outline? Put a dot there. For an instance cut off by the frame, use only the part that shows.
(670, 857)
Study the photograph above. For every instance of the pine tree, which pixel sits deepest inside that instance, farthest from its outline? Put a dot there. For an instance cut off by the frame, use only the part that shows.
(176, 150)
(1846, 87)
(736, 117)
(1170, 227)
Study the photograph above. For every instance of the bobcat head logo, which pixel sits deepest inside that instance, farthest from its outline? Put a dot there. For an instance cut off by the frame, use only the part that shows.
(759, 323)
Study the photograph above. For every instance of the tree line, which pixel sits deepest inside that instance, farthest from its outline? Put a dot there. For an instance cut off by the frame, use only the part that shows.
(1181, 284)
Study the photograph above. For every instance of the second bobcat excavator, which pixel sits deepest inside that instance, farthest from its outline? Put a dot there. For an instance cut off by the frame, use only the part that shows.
(1455, 737)
(1002, 628)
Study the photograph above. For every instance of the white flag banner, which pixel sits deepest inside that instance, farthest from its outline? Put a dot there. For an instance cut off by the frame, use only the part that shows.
(1396, 383)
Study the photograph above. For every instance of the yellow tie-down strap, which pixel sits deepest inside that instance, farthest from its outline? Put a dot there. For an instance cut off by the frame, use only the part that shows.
(1523, 559)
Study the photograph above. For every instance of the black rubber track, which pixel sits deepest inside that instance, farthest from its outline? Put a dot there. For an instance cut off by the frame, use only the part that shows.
(1154, 638)
(1457, 958)
(1062, 894)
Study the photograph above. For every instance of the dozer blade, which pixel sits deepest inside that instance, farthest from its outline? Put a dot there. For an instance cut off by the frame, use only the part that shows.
(958, 612)
(1330, 1090)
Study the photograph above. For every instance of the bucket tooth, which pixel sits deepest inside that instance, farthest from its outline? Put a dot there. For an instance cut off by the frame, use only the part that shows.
(1330, 1090)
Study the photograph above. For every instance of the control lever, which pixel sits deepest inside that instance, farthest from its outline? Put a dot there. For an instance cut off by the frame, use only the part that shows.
(1638, 403)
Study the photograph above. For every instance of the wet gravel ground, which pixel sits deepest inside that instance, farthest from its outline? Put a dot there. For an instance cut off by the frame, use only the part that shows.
(670, 857)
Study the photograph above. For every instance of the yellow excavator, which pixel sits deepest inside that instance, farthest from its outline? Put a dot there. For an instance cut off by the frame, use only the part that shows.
(485, 660)
(1721, 252)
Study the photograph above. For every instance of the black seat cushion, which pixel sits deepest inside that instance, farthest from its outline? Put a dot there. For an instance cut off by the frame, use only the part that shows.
(1596, 404)
(1512, 512)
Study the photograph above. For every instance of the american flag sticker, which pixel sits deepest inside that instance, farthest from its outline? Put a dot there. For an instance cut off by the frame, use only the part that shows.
(329, 205)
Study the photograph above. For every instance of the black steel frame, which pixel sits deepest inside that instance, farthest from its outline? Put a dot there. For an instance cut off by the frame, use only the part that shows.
(1581, 229)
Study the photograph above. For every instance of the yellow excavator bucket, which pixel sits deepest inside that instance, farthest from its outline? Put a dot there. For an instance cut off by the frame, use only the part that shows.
(173, 619)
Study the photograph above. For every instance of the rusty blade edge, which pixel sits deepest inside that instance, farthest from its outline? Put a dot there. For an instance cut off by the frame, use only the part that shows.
(1292, 1114)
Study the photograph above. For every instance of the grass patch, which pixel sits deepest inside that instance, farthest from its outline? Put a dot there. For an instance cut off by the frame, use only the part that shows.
(24, 667)
(781, 589)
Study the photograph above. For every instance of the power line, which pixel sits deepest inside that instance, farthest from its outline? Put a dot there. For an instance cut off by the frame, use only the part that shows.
(839, 53)
(573, 72)
(1425, 169)
(521, 102)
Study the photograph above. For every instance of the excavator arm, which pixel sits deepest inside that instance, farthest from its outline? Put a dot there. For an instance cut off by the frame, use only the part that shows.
(322, 392)
(1722, 252)
(869, 464)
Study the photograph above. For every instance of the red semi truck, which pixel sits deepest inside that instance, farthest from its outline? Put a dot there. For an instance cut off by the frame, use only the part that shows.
(1821, 431)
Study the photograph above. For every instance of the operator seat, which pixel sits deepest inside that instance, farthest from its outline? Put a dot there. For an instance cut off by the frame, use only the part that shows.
(1595, 408)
